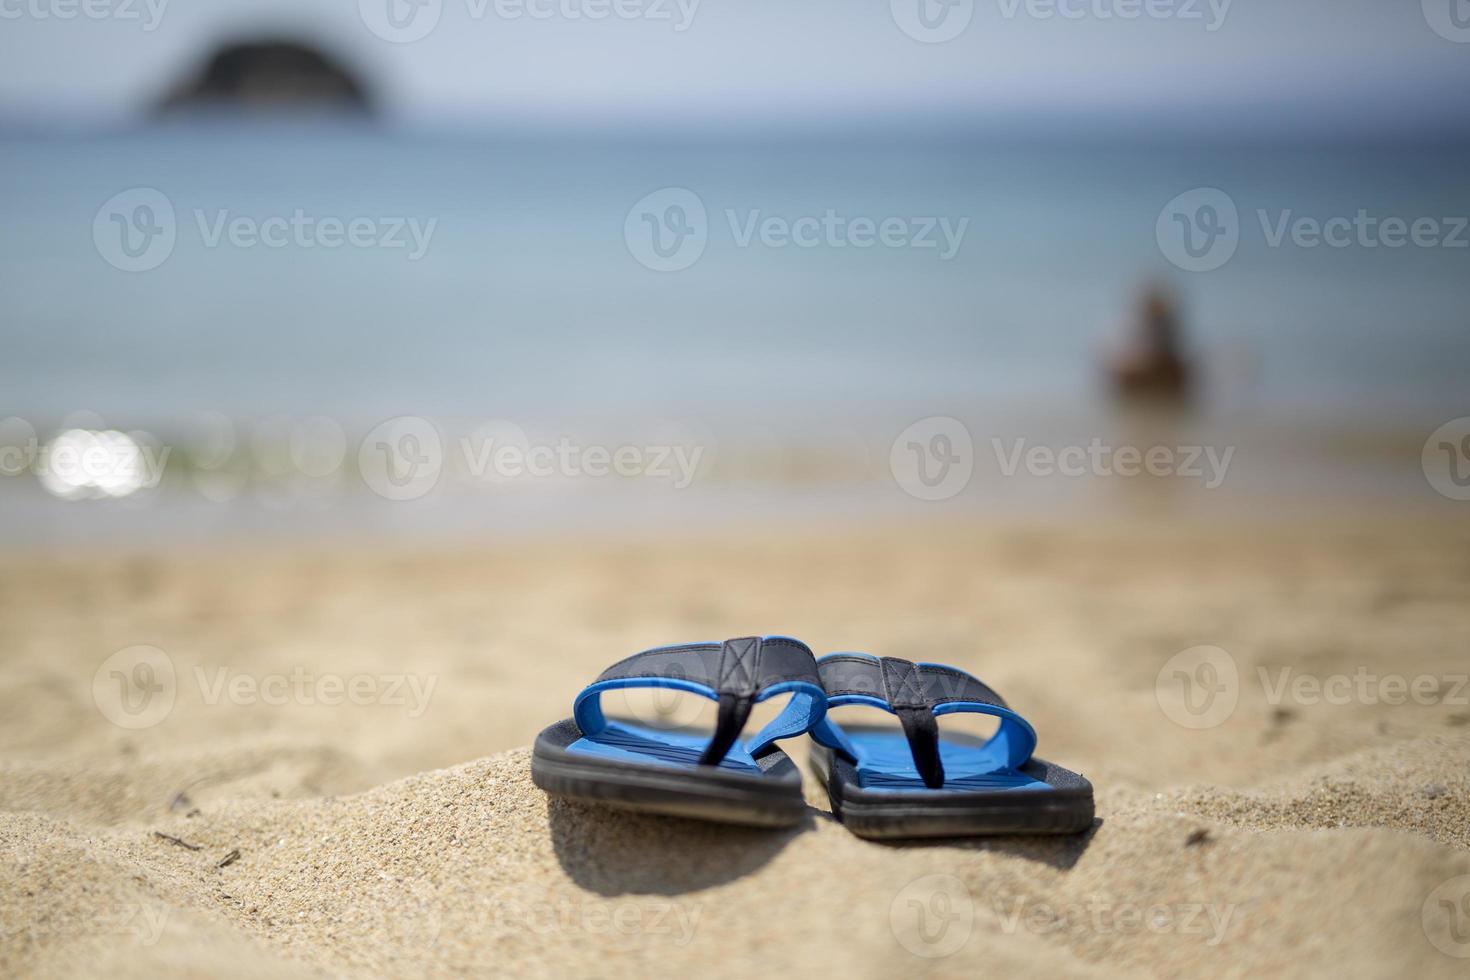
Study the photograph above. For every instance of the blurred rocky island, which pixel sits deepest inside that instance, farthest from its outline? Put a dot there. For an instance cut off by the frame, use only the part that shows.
(270, 76)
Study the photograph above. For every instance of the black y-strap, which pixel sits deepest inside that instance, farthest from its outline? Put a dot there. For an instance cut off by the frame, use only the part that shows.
(737, 682)
(906, 692)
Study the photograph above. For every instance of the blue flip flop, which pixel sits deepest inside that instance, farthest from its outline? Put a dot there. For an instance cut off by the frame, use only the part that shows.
(691, 774)
(920, 783)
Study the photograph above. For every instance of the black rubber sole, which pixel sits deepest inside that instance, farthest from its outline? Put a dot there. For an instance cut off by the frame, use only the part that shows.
(771, 799)
(1066, 808)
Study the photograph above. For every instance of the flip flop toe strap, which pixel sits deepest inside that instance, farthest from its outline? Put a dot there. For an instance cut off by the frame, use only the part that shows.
(904, 690)
(917, 693)
(738, 674)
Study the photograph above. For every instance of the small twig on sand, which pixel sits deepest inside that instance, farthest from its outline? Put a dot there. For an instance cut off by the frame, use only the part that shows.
(229, 859)
(175, 840)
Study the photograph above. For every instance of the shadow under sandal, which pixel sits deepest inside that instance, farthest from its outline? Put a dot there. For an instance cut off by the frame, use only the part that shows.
(683, 773)
(920, 783)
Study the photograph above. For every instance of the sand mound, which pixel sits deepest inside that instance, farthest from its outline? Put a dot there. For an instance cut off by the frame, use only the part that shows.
(471, 868)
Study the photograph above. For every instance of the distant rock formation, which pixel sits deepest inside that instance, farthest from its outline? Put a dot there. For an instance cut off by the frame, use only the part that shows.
(270, 76)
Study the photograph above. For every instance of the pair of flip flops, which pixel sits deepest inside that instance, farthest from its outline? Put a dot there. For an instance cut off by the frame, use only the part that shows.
(917, 782)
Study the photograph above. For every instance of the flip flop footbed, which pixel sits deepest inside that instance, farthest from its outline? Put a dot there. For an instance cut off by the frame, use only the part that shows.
(1037, 798)
(642, 769)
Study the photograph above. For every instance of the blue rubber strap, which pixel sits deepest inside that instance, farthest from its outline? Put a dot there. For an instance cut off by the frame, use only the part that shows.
(807, 708)
(587, 709)
(1014, 737)
(1015, 734)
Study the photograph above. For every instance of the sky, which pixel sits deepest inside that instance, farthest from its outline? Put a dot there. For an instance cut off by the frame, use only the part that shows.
(1355, 66)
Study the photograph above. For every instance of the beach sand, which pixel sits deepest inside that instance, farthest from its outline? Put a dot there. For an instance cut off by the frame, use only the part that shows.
(258, 828)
